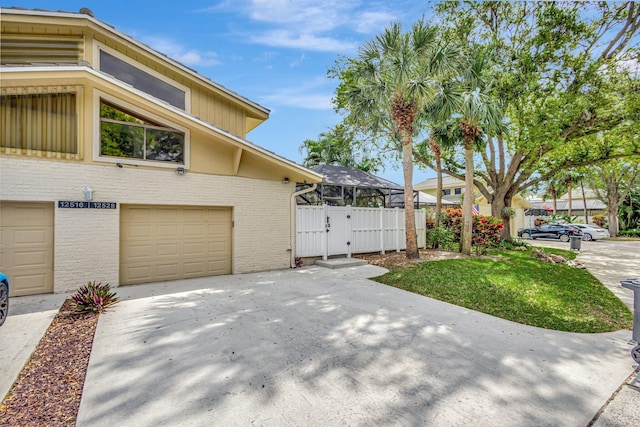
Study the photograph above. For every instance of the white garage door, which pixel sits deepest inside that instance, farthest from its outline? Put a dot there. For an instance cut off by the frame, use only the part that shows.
(26, 246)
(159, 243)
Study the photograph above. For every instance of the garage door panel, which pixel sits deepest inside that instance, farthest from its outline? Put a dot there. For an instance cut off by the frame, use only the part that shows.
(35, 258)
(137, 251)
(165, 214)
(218, 266)
(167, 270)
(168, 231)
(25, 236)
(26, 246)
(195, 249)
(30, 284)
(137, 231)
(138, 272)
(195, 268)
(194, 230)
(178, 242)
(168, 249)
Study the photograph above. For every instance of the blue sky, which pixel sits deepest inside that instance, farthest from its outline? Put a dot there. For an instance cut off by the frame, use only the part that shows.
(274, 52)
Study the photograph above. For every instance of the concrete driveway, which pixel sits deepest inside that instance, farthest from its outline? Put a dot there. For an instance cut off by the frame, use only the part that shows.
(315, 346)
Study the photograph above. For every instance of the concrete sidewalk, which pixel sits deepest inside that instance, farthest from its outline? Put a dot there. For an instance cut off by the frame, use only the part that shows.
(327, 347)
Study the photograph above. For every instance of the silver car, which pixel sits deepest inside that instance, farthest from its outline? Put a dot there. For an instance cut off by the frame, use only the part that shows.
(592, 232)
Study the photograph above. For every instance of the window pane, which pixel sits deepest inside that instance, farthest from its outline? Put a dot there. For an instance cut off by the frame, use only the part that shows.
(121, 140)
(124, 134)
(165, 145)
(140, 80)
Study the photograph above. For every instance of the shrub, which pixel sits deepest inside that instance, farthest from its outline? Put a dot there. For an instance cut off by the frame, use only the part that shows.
(510, 245)
(486, 230)
(600, 220)
(94, 298)
(440, 237)
(539, 222)
(630, 233)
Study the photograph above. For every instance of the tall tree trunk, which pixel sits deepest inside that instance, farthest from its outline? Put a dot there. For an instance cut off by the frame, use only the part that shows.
(497, 209)
(467, 205)
(584, 202)
(409, 210)
(435, 147)
(570, 198)
(554, 194)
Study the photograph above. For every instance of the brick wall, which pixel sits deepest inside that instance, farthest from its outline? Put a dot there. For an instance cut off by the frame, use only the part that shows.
(87, 240)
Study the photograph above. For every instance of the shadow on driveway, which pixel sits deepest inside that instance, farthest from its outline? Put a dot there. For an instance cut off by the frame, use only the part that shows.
(314, 346)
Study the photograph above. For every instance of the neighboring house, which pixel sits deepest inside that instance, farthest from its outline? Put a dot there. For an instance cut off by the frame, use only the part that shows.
(453, 190)
(544, 208)
(123, 166)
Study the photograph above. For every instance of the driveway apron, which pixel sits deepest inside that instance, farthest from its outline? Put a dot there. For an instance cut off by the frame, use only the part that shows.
(314, 346)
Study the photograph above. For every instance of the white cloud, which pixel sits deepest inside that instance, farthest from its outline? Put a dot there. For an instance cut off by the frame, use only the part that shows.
(297, 61)
(317, 25)
(285, 38)
(314, 94)
(180, 53)
(373, 22)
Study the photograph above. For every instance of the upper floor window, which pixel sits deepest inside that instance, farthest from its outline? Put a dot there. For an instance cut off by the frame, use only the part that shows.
(457, 190)
(446, 192)
(129, 135)
(39, 121)
(142, 80)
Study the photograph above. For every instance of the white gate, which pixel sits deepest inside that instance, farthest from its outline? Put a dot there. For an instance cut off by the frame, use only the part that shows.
(335, 230)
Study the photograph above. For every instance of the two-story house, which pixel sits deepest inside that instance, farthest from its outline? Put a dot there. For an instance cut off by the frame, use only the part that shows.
(121, 165)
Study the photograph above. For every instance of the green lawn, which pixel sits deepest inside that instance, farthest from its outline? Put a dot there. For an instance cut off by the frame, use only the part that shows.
(514, 286)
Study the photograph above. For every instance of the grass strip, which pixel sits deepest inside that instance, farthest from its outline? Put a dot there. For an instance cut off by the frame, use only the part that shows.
(515, 286)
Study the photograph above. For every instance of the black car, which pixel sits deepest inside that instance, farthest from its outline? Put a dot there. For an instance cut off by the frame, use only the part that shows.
(551, 231)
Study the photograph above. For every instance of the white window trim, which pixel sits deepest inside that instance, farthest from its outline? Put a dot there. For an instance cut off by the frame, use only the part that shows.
(98, 96)
(154, 73)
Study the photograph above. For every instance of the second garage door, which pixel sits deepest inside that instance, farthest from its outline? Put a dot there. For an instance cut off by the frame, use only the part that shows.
(159, 243)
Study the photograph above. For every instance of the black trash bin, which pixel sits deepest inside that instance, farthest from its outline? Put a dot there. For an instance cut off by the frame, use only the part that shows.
(576, 242)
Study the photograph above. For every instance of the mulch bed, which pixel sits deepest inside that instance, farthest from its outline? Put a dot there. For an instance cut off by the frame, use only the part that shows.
(48, 390)
(392, 259)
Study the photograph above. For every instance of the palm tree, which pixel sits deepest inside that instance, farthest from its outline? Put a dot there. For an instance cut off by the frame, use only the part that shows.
(394, 78)
(439, 113)
(478, 114)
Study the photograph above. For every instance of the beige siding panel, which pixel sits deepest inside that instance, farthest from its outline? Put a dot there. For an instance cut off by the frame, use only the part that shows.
(159, 243)
(26, 246)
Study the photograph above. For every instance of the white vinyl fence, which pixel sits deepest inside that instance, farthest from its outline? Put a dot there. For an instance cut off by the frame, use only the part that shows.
(336, 230)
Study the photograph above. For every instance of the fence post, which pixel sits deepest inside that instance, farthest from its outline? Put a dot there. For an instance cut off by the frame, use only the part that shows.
(397, 227)
(325, 238)
(349, 231)
(382, 251)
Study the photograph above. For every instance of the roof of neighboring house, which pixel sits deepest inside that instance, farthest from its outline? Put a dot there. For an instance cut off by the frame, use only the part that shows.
(576, 193)
(432, 183)
(563, 205)
(349, 177)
